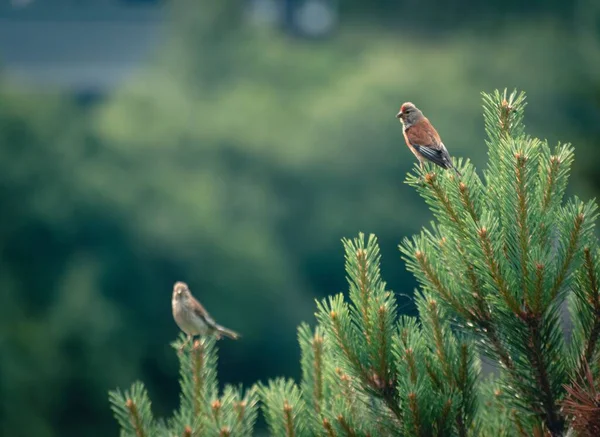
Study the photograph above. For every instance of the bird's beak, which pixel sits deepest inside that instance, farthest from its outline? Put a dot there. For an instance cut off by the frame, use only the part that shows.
(399, 115)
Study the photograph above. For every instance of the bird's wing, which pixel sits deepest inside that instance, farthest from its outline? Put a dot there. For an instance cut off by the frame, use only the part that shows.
(200, 311)
(427, 143)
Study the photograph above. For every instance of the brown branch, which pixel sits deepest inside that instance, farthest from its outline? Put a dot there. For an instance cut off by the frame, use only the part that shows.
(503, 355)
(439, 341)
(345, 426)
(551, 416)
(384, 389)
(550, 180)
(467, 202)
(594, 301)
(431, 179)
(198, 378)
(437, 383)
(412, 367)
(463, 371)
(187, 431)
(494, 268)
(538, 290)
(591, 274)
(522, 219)
(134, 417)
(341, 340)
(364, 285)
(216, 410)
(317, 345)
(519, 425)
(571, 250)
(240, 409)
(432, 277)
(481, 317)
(289, 420)
(383, 342)
(328, 428)
(444, 417)
(347, 391)
(414, 409)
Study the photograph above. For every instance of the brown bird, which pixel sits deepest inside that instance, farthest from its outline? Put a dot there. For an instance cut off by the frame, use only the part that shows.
(192, 318)
(422, 138)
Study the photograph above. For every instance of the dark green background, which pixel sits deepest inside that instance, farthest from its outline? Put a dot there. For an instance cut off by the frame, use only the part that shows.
(235, 160)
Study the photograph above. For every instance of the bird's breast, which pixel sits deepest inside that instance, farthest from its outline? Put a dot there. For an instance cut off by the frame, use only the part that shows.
(188, 321)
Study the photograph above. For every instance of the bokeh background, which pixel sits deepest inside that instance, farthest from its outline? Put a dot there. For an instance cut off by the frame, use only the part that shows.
(232, 144)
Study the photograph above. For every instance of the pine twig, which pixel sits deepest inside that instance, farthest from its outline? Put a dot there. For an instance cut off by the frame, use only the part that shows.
(345, 426)
(136, 420)
(494, 268)
(594, 301)
(317, 345)
(198, 357)
(571, 250)
(289, 420)
(414, 409)
(553, 420)
(522, 215)
(328, 428)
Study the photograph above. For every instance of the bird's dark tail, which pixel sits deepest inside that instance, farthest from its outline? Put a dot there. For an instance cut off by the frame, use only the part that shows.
(221, 330)
(457, 172)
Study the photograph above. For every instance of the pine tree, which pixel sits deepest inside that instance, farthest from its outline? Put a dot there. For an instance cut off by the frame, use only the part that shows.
(504, 257)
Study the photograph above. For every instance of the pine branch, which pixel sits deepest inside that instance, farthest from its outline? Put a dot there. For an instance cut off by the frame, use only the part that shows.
(552, 174)
(364, 286)
(328, 428)
(198, 362)
(133, 411)
(438, 337)
(570, 254)
(436, 282)
(317, 345)
(136, 421)
(494, 270)
(594, 301)
(536, 355)
(360, 332)
(283, 408)
(345, 426)
(463, 384)
(289, 420)
(522, 216)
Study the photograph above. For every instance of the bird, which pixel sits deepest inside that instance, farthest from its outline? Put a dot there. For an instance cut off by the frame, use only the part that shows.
(192, 318)
(422, 138)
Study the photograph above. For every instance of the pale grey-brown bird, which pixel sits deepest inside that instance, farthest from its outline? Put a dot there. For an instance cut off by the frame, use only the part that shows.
(422, 139)
(192, 318)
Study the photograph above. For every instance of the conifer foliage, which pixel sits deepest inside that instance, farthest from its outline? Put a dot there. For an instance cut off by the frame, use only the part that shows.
(504, 257)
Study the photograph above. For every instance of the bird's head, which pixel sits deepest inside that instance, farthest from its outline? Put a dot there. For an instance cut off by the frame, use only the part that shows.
(409, 114)
(181, 291)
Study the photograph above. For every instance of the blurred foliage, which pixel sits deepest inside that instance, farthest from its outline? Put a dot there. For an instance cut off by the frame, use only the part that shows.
(236, 160)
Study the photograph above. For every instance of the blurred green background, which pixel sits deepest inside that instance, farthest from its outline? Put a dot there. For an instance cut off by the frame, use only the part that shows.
(243, 142)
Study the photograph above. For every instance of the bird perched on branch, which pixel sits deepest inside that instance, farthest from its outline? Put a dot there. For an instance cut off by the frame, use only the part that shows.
(422, 138)
(192, 318)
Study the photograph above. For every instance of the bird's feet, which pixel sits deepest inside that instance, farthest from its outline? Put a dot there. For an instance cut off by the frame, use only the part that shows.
(185, 344)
